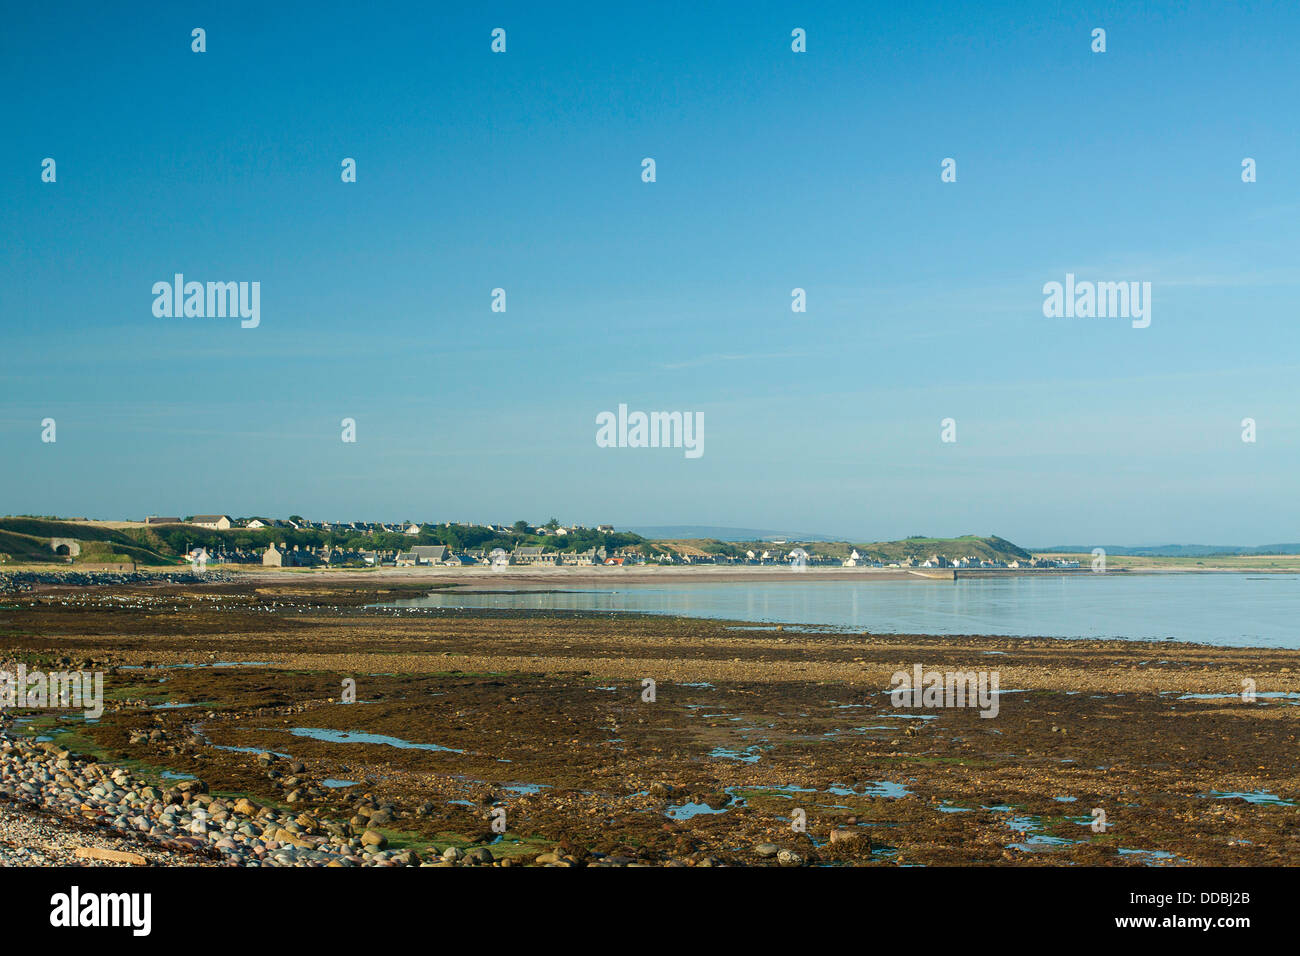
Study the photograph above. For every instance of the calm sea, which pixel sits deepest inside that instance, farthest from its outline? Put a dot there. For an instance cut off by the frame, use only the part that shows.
(1229, 609)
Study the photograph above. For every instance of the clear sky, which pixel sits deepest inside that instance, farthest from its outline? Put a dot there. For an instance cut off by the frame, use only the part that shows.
(774, 170)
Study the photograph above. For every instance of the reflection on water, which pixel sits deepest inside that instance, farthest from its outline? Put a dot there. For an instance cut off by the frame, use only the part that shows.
(1253, 796)
(360, 737)
(1230, 610)
(687, 810)
(748, 755)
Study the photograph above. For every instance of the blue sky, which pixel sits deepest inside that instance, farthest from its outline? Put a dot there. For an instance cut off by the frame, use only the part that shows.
(775, 170)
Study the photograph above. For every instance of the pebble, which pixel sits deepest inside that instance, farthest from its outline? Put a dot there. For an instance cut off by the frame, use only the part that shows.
(49, 797)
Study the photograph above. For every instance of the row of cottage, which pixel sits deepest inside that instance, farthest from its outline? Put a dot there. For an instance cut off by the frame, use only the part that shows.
(858, 560)
(438, 555)
(227, 523)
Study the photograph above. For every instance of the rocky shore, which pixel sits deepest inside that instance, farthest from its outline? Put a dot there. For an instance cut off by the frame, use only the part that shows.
(184, 822)
(225, 739)
(51, 798)
(17, 582)
(57, 809)
(29, 837)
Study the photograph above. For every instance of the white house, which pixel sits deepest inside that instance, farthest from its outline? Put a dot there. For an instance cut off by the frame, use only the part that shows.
(214, 522)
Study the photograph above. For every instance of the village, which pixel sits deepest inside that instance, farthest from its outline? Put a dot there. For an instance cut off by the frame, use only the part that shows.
(338, 547)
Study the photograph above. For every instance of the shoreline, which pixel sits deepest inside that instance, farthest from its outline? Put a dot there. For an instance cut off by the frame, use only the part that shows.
(529, 577)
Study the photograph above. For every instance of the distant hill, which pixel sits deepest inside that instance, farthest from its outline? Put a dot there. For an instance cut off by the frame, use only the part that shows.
(1174, 550)
(989, 547)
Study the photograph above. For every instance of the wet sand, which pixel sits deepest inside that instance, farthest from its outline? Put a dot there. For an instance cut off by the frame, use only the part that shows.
(542, 715)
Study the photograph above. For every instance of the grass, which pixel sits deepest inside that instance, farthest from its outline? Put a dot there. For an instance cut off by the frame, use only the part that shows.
(1227, 562)
(27, 540)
